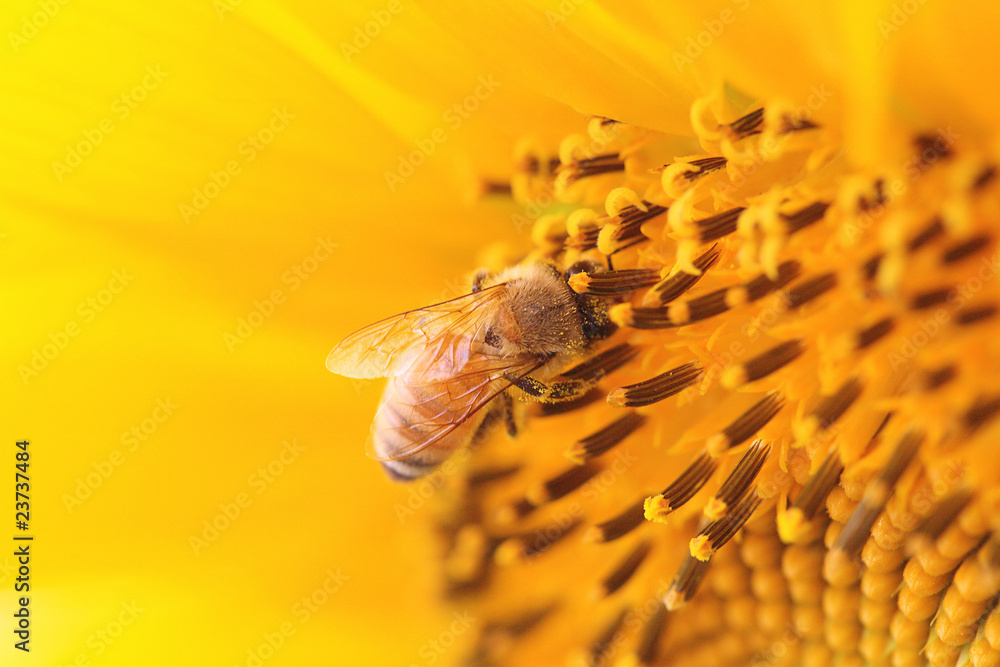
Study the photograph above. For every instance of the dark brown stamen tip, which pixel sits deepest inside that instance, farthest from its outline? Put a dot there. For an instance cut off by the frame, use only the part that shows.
(592, 166)
(931, 298)
(619, 526)
(748, 423)
(683, 489)
(493, 474)
(626, 227)
(603, 440)
(810, 289)
(685, 583)
(750, 124)
(984, 178)
(960, 251)
(529, 545)
(814, 493)
(765, 363)
(514, 511)
(655, 389)
(713, 303)
(877, 494)
(832, 407)
(942, 516)
(934, 229)
(717, 226)
(931, 148)
(870, 268)
(871, 334)
(984, 409)
(604, 362)
(714, 536)
(975, 314)
(744, 474)
(866, 203)
(585, 240)
(805, 217)
(496, 188)
(791, 123)
(562, 407)
(614, 283)
(674, 286)
(521, 623)
(937, 377)
(708, 164)
(624, 571)
(603, 647)
(562, 484)
(762, 285)
(649, 640)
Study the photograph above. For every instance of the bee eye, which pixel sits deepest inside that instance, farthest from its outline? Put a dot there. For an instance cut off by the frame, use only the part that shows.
(492, 338)
(583, 266)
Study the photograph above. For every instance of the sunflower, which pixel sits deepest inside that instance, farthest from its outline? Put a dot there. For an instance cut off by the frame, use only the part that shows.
(788, 459)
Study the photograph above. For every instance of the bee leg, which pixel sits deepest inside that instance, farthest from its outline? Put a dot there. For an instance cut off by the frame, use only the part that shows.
(560, 390)
(507, 409)
(489, 424)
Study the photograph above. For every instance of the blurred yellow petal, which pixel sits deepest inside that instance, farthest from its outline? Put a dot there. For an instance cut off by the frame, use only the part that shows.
(200, 198)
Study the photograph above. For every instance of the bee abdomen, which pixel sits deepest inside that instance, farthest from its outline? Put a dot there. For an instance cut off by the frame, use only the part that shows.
(410, 415)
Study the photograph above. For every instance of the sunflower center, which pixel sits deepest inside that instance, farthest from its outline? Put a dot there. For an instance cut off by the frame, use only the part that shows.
(781, 465)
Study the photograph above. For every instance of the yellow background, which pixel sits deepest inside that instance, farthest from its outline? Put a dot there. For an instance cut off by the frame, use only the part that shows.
(162, 336)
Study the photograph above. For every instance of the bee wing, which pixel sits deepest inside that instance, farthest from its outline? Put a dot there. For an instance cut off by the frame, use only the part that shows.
(387, 348)
(423, 411)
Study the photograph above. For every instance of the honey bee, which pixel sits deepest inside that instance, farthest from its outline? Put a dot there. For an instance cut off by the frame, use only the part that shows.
(454, 367)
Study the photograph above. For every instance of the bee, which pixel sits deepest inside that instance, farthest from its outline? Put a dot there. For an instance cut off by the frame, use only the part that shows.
(454, 367)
